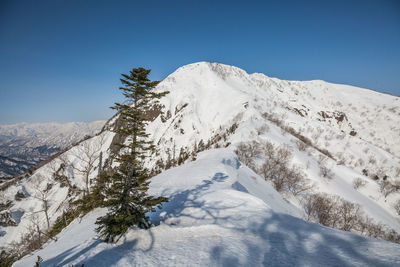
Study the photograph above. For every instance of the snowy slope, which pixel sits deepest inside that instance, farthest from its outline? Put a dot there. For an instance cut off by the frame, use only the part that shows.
(359, 127)
(207, 97)
(29, 209)
(219, 214)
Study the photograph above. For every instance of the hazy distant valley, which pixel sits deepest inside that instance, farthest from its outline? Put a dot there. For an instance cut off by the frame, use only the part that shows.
(24, 145)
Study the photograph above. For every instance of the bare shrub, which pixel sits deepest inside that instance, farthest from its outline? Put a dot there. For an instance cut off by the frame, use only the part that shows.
(350, 215)
(387, 188)
(32, 240)
(334, 211)
(374, 229)
(397, 207)
(42, 194)
(341, 161)
(316, 137)
(372, 160)
(392, 236)
(377, 230)
(263, 129)
(325, 172)
(322, 208)
(88, 153)
(358, 183)
(275, 166)
(247, 152)
(274, 118)
(301, 145)
(360, 162)
(322, 159)
(297, 183)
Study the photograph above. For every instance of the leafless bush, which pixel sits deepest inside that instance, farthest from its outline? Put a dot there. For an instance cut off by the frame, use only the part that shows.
(350, 215)
(360, 162)
(288, 129)
(247, 152)
(325, 172)
(274, 118)
(32, 240)
(335, 212)
(358, 183)
(275, 166)
(387, 188)
(341, 161)
(374, 230)
(263, 129)
(397, 207)
(88, 153)
(322, 159)
(301, 145)
(315, 137)
(42, 191)
(292, 180)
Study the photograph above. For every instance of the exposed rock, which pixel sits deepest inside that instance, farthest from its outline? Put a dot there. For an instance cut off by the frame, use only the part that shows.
(6, 219)
(353, 133)
(19, 195)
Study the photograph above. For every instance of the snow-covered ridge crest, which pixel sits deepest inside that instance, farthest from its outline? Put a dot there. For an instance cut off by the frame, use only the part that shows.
(216, 93)
(358, 127)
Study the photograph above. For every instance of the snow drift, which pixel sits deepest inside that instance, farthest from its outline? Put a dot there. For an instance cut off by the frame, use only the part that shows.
(219, 213)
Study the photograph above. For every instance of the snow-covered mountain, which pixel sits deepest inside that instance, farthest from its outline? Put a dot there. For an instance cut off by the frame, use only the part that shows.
(341, 140)
(23, 145)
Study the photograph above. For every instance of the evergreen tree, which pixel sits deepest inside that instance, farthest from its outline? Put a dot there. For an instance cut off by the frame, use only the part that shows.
(126, 191)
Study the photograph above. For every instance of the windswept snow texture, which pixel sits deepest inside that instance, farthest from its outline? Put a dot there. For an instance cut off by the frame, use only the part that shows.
(219, 213)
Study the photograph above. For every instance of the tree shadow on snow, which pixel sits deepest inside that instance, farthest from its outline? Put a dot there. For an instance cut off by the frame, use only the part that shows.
(294, 242)
(106, 257)
(174, 210)
(285, 240)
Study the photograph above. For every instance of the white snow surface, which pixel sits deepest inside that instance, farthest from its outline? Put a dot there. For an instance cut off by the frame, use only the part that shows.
(206, 98)
(247, 216)
(219, 213)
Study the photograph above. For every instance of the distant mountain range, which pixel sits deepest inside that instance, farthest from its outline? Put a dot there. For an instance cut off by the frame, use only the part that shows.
(23, 145)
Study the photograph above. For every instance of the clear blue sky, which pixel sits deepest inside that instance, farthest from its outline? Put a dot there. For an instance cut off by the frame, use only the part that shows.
(61, 60)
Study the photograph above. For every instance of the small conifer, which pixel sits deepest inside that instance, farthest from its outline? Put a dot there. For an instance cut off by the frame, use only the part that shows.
(126, 192)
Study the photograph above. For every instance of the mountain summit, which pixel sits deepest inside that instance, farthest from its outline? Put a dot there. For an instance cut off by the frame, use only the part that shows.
(241, 157)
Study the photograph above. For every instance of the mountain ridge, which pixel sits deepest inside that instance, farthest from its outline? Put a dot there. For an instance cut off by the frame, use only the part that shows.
(347, 132)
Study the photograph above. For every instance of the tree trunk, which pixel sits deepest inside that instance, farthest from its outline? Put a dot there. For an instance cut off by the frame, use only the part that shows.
(45, 204)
